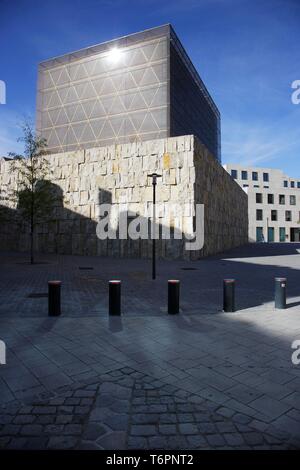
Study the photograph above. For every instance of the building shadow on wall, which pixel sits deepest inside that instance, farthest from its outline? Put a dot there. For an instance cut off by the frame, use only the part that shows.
(65, 231)
(9, 228)
(172, 248)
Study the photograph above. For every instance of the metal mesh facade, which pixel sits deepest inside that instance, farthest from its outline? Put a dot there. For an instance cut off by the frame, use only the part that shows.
(192, 110)
(139, 87)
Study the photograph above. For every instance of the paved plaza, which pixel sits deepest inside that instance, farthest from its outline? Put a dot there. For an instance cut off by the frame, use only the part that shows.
(202, 379)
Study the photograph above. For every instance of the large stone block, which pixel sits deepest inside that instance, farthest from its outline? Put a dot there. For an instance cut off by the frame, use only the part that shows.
(118, 174)
(84, 197)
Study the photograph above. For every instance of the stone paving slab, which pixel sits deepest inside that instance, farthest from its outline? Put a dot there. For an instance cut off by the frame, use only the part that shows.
(235, 366)
(166, 344)
(126, 409)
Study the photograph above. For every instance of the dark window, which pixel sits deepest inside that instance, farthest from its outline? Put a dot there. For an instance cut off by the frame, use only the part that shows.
(254, 176)
(259, 234)
(256, 186)
(266, 176)
(285, 183)
(259, 198)
(282, 234)
(266, 187)
(281, 199)
(298, 184)
(244, 175)
(245, 185)
(292, 184)
(270, 198)
(234, 174)
(270, 234)
(292, 200)
(288, 216)
(273, 215)
(259, 214)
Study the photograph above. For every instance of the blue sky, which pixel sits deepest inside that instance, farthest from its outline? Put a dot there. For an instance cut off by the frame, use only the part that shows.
(247, 53)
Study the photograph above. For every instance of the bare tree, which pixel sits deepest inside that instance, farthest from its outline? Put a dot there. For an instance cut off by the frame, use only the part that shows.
(33, 196)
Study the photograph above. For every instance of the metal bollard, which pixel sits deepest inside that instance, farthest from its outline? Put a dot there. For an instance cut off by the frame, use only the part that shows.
(173, 296)
(229, 295)
(54, 309)
(280, 292)
(114, 297)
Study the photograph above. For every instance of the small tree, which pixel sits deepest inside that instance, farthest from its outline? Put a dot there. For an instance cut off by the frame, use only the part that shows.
(33, 196)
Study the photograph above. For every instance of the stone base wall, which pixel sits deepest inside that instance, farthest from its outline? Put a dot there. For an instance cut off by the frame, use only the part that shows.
(118, 174)
(225, 202)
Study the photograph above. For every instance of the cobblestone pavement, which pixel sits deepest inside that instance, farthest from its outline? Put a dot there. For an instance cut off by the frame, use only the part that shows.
(126, 409)
(146, 379)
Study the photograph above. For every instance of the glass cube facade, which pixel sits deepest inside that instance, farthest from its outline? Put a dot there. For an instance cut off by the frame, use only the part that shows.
(192, 110)
(139, 87)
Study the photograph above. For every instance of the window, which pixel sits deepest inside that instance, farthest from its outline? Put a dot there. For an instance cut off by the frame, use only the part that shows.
(298, 184)
(259, 214)
(266, 176)
(270, 198)
(256, 186)
(266, 187)
(273, 215)
(282, 234)
(292, 200)
(259, 234)
(244, 175)
(270, 234)
(254, 176)
(281, 199)
(285, 184)
(245, 185)
(234, 174)
(292, 184)
(259, 198)
(288, 216)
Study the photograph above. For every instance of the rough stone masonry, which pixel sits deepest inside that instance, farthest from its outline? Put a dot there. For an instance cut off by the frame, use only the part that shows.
(116, 174)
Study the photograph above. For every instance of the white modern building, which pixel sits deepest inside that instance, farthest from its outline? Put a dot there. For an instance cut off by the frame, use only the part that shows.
(273, 203)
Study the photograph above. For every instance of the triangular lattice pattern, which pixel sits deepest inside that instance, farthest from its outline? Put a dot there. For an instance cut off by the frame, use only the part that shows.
(102, 99)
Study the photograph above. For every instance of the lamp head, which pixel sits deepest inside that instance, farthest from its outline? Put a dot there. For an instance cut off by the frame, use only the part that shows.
(154, 176)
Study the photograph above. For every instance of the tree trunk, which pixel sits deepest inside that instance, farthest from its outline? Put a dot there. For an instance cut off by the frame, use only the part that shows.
(31, 230)
(31, 247)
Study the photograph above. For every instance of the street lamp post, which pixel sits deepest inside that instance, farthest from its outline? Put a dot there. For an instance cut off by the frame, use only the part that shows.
(154, 177)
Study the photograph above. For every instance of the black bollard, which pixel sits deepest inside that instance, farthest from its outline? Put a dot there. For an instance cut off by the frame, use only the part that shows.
(280, 292)
(114, 297)
(54, 309)
(229, 295)
(173, 296)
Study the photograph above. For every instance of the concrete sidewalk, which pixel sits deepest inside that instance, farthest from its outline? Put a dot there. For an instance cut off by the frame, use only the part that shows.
(202, 379)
